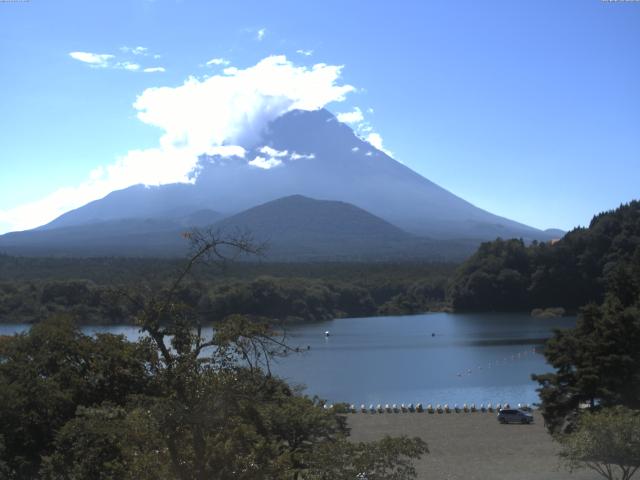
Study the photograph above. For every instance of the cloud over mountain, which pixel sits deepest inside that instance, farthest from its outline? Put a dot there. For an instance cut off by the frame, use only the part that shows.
(219, 113)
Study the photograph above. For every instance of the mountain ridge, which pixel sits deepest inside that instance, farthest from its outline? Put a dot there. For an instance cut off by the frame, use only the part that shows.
(294, 228)
(331, 163)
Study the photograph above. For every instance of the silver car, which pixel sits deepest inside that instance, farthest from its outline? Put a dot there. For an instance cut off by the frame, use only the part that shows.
(508, 415)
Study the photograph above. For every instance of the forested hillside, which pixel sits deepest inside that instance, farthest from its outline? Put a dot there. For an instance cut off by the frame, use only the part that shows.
(90, 290)
(574, 271)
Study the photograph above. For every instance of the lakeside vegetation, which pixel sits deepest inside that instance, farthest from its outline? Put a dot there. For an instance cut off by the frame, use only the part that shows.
(508, 275)
(503, 275)
(175, 404)
(33, 288)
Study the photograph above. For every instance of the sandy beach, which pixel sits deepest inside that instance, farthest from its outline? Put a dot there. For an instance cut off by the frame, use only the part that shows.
(472, 446)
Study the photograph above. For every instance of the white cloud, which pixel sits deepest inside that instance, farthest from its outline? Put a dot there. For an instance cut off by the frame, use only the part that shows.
(351, 117)
(355, 149)
(234, 107)
(272, 152)
(135, 50)
(216, 115)
(376, 140)
(154, 166)
(106, 60)
(265, 163)
(132, 67)
(99, 60)
(261, 33)
(227, 151)
(306, 53)
(299, 156)
(369, 153)
(218, 61)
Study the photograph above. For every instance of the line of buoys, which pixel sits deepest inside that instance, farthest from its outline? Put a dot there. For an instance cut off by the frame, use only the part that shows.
(418, 407)
(498, 363)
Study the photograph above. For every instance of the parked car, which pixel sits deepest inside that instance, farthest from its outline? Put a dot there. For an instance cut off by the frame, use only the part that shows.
(507, 415)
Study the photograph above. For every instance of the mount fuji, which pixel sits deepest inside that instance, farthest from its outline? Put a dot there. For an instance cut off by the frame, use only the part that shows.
(301, 155)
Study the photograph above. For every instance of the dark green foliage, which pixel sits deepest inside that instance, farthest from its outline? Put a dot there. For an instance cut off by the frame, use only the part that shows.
(292, 292)
(598, 362)
(89, 446)
(291, 299)
(46, 374)
(508, 275)
(173, 405)
(417, 297)
(494, 278)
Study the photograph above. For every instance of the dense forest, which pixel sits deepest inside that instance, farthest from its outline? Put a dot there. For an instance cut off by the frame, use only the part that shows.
(503, 275)
(507, 275)
(93, 290)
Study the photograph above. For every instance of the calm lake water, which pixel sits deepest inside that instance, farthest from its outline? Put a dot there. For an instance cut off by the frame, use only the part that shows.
(473, 358)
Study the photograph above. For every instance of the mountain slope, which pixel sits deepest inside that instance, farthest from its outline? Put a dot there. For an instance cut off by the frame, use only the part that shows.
(293, 228)
(319, 157)
(127, 236)
(298, 227)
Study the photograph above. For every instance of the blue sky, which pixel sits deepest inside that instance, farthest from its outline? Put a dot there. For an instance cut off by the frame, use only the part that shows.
(528, 109)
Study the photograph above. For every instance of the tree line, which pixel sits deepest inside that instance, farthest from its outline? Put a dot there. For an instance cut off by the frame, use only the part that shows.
(508, 275)
(286, 298)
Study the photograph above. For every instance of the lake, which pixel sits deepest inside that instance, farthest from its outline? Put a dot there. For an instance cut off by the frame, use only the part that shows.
(473, 358)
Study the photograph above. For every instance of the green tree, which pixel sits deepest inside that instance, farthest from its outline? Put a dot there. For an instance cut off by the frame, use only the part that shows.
(222, 415)
(598, 362)
(177, 404)
(606, 441)
(47, 373)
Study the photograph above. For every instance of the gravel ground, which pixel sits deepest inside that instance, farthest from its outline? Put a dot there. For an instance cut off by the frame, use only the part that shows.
(471, 446)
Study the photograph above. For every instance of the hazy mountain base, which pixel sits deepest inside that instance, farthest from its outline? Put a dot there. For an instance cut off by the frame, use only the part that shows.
(293, 228)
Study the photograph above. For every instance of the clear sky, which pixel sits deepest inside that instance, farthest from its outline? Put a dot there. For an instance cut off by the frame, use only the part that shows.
(528, 109)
